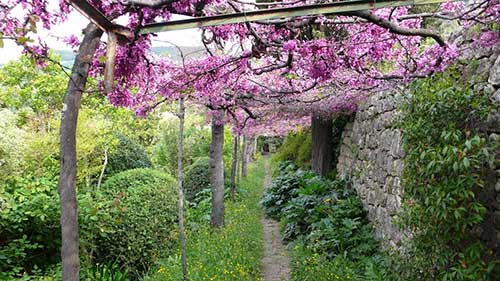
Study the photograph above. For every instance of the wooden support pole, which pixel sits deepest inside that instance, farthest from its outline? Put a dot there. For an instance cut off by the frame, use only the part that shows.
(109, 67)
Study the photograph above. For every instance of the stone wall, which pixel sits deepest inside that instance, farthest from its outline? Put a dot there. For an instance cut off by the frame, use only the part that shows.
(372, 159)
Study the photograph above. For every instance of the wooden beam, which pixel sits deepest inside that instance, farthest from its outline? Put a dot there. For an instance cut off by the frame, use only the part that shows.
(278, 13)
(94, 15)
(99, 19)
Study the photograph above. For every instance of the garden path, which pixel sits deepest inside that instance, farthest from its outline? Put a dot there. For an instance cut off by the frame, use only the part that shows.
(276, 262)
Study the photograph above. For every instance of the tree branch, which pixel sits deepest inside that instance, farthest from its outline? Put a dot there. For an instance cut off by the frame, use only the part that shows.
(397, 29)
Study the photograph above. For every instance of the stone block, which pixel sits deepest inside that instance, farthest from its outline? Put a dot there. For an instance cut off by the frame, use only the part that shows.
(494, 77)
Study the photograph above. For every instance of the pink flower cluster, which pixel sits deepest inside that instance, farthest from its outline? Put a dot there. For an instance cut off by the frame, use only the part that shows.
(284, 71)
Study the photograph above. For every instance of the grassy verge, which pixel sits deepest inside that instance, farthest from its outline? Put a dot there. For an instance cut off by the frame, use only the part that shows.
(231, 253)
(308, 265)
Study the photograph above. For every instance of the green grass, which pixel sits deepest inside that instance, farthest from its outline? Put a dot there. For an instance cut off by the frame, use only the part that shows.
(307, 265)
(231, 253)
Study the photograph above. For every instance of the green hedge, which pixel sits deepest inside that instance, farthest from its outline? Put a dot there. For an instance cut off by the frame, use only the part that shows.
(127, 155)
(196, 178)
(142, 218)
(297, 148)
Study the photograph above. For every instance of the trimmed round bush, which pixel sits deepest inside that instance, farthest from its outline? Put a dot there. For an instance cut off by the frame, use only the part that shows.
(142, 206)
(196, 178)
(127, 155)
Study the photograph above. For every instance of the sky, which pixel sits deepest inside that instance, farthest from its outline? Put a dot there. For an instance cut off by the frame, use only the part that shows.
(76, 22)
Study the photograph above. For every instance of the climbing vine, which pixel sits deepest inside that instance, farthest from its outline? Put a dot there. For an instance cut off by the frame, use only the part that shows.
(448, 156)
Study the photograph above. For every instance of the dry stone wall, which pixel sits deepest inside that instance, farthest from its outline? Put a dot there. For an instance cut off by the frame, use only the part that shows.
(372, 158)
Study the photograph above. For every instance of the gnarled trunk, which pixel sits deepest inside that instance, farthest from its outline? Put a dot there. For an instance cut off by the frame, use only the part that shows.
(217, 169)
(322, 149)
(67, 176)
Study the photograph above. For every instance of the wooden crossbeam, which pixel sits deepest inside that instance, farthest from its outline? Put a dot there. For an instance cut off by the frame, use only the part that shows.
(99, 19)
(279, 13)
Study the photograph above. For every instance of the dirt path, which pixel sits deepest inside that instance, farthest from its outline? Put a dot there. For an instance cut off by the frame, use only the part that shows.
(275, 262)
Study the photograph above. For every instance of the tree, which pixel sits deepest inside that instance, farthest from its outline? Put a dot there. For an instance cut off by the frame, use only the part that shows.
(67, 176)
(234, 161)
(217, 169)
(322, 148)
(180, 151)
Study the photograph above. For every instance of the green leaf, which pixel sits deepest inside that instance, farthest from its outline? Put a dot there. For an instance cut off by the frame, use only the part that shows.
(21, 40)
(102, 59)
(466, 162)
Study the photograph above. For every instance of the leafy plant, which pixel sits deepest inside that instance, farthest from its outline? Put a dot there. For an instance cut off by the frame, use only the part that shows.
(282, 190)
(126, 156)
(196, 178)
(110, 271)
(447, 155)
(329, 218)
(324, 214)
(142, 208)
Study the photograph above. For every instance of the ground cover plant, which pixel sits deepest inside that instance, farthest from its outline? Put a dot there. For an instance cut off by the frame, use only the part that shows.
(230, 253)
(325, 225)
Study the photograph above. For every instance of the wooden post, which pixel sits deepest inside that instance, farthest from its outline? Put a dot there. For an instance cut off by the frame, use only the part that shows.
(109, 68)
(217, 169)
(67, 137)
(322, 149)
(244, 157)
(233, 166)
(180, 153)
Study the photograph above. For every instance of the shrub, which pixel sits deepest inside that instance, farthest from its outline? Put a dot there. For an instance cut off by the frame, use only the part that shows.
(282, 190)
(142, 208)
(29, 225)
(196, 178)
(12, 143)
(325, 215)
(127, 155)
(447, 155)
(197, 139)
(297, 148)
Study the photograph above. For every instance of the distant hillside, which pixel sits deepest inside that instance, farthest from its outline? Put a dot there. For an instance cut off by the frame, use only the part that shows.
(67, 57)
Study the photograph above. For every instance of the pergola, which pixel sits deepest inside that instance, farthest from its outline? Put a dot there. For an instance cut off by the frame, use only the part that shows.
(116, 31)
